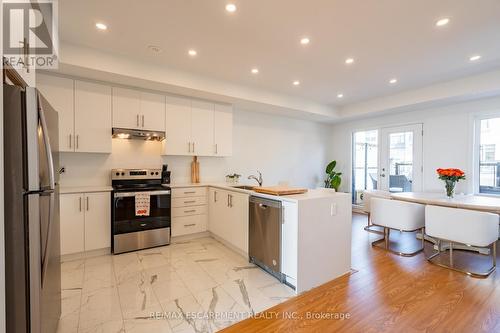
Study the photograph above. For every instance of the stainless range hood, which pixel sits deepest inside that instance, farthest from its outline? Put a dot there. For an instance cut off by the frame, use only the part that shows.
(127, 133)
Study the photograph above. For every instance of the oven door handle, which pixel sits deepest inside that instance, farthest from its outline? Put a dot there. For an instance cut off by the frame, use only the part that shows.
(132, 194)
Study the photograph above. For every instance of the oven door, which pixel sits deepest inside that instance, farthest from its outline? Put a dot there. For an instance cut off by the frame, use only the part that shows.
(125, 220)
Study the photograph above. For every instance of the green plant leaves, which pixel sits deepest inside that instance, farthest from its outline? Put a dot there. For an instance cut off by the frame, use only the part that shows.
(331, 166)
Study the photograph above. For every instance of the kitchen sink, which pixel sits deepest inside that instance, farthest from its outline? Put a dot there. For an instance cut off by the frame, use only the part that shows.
(244, 187)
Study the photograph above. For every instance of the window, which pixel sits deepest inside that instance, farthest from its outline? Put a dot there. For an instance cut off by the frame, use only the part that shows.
(489, 158)
(364, 163)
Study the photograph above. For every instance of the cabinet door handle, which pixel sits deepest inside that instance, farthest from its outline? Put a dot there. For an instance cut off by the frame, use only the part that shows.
(137, 120)
(215, 196)
(230, 200)
(191, 201)
(189, 147)
(142, 121)
(87, 199)
(77, 141)
(190, 211)
(216, 150)
(70, 141)
(193, 148)
(190, 192)
(80, 204)
(190, 225)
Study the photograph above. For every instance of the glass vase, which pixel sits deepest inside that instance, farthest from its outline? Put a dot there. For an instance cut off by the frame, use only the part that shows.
(450, 188)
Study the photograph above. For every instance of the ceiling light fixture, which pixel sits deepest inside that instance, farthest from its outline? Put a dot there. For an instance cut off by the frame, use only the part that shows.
(305, 41)
(192, 53)
(442, 22)
(340, 95)
(231, 7)
(101, 26)
(393, 81)
(296, 83)
(475, 58)
(349, 61)
(154, 48)
(255, 70)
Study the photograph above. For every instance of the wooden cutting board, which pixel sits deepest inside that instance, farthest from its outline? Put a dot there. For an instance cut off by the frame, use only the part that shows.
(280, 190)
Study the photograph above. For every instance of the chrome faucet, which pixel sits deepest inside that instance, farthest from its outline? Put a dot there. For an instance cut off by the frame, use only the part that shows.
(259, 180)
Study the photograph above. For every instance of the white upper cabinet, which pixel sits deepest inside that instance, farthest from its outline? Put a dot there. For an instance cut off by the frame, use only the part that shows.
(202, 128)
(152, 111)
(223, 130)
(138, 110)
(198, 128)
(126, 108)
(92, 117)
(178, 126)
(59, 92)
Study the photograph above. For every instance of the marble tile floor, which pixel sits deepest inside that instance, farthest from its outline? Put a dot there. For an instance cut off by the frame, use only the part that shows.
(192, 286)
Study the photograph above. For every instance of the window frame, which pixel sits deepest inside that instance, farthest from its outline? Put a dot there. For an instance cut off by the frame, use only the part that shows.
(476, 158)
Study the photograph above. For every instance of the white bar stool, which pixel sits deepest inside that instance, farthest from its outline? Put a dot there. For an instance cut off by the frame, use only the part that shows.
(367, 197)
(468, 227)
(397, 215)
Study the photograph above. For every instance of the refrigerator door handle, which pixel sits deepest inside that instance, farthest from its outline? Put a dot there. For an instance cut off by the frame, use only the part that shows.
(45, 254)
(48, 150)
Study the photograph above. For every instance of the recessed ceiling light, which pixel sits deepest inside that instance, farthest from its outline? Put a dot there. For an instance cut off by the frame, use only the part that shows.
(101, 26)
(192, 53)
(305, 41)
(255, 70)
(393, 81)
(296, 83)
(340, 95)
(475, 57)
(231, 7)
(442, 22)
(154, 48)
(349, 61)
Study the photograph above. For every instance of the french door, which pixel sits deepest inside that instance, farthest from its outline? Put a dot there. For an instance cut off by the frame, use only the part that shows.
(400, 161)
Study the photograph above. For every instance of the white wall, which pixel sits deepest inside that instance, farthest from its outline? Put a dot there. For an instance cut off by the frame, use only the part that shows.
(282, 148)
(448, 139)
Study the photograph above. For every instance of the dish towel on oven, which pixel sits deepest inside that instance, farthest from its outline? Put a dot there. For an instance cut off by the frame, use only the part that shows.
(142, 204)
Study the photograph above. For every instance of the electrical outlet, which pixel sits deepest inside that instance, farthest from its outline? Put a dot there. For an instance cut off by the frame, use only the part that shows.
(333, 209)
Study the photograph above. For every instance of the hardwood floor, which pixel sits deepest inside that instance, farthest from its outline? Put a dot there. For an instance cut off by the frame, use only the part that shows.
(388, 293)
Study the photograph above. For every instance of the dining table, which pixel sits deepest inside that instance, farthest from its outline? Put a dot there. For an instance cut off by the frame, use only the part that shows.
(463, 201)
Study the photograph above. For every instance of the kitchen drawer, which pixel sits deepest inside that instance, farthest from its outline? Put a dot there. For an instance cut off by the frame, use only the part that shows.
(188, 225)
(189, 201)
(187, 211)
(189, 192)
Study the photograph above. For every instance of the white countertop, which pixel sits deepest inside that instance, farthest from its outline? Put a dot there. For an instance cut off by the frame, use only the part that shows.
(84, 189)
(310, 194)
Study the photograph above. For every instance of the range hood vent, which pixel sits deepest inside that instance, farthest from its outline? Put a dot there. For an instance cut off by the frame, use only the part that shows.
(135, 134)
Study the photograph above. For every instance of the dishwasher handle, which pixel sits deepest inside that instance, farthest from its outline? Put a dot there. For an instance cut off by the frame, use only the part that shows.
(265, 203)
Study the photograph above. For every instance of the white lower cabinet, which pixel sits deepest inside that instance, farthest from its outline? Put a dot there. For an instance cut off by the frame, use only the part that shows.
(189, 210)
(228, 217)
(85, 222)
(72, 223)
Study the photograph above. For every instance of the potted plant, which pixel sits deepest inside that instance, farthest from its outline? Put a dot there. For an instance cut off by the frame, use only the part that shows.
(333, 179)
(450, 177)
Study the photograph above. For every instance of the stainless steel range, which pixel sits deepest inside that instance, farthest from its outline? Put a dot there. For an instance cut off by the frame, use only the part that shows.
(134, 229)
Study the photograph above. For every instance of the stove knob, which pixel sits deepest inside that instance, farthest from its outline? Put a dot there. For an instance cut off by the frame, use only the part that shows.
(117, 173)
(123, 173)
(156, 173)
(152, 173)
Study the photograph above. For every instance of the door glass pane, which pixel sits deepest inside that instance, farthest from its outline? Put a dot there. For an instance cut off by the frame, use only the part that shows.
(400, 161)
(489, 157)
(364, 164)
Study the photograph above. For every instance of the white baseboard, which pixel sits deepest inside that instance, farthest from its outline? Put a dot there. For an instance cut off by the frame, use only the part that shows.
(85, 255)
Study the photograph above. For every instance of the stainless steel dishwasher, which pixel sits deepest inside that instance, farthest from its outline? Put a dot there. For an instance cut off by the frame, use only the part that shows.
(265, 235)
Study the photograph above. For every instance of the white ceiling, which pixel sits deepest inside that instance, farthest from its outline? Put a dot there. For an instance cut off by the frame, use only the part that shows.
(387, 38)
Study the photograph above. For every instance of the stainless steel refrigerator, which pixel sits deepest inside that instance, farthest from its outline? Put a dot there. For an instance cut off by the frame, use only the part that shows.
(32, 245)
